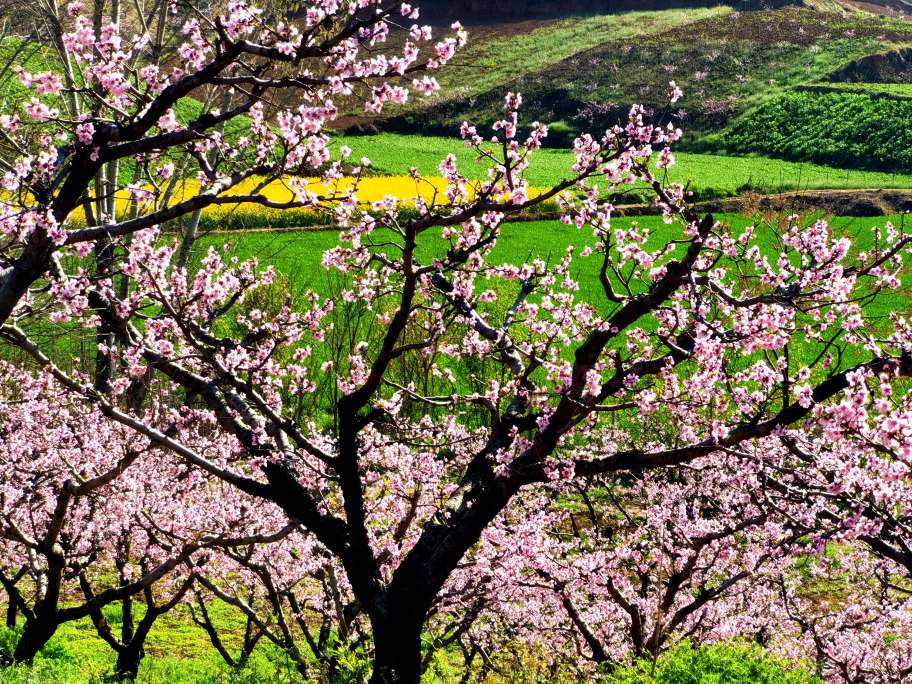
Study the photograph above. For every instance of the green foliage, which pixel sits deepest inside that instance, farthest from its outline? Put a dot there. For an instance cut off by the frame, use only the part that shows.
(8, 639)
(177, 652)
(716, 664)
(836, 128)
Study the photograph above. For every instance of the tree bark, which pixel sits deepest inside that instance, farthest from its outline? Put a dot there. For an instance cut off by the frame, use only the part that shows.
(41, 625)
(128, 660)
(397, 649)
(36, 634)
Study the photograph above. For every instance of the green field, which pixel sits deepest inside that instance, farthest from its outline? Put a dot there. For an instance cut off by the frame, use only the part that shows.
(710, 175)
(176, 651)
(30, 57)
(297, 254)
(179, 653)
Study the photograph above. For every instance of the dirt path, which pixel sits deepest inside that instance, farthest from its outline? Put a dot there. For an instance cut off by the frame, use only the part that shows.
(835, 202)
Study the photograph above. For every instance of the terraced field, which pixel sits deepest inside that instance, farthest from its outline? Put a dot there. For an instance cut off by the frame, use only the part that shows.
(852, 129)
(800, 83)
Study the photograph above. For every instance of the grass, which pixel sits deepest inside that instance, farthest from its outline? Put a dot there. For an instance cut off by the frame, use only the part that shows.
(176, 651)
(710, 175)
(297, 254)
(32, 58)
(728, 663)
(74, 656)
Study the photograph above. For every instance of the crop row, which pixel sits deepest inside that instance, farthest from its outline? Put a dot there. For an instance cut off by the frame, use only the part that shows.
(836, 128)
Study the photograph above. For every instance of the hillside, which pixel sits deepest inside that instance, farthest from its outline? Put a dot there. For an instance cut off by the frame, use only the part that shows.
(484, 11)
(581, 73)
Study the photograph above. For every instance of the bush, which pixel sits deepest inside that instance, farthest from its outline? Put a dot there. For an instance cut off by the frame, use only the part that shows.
(717, 664)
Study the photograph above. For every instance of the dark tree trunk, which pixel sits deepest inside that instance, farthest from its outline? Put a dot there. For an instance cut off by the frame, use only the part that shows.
(128, 660)
(397, 650)
(36, 634)
(43, 622)
(131, 651)
(398, 617)
(132, 648)
(11, 614)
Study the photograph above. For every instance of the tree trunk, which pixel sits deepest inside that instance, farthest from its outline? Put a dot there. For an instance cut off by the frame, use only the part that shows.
(36, 634)
(397, 650)
(128, 659)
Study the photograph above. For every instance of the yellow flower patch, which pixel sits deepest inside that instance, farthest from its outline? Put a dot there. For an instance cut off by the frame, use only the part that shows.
(404, 189)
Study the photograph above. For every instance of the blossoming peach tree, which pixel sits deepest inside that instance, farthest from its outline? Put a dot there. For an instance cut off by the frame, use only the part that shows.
(470, 393)
(83, 515)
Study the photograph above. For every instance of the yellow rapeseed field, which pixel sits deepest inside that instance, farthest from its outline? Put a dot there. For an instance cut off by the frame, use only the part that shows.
(369, 189)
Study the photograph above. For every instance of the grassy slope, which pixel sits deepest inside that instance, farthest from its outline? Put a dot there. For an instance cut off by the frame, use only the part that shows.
(727, 63)
(494, 60)
(32, 58)
(395, 154)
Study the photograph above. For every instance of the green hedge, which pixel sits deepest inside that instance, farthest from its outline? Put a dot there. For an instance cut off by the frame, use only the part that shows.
(839, 129)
